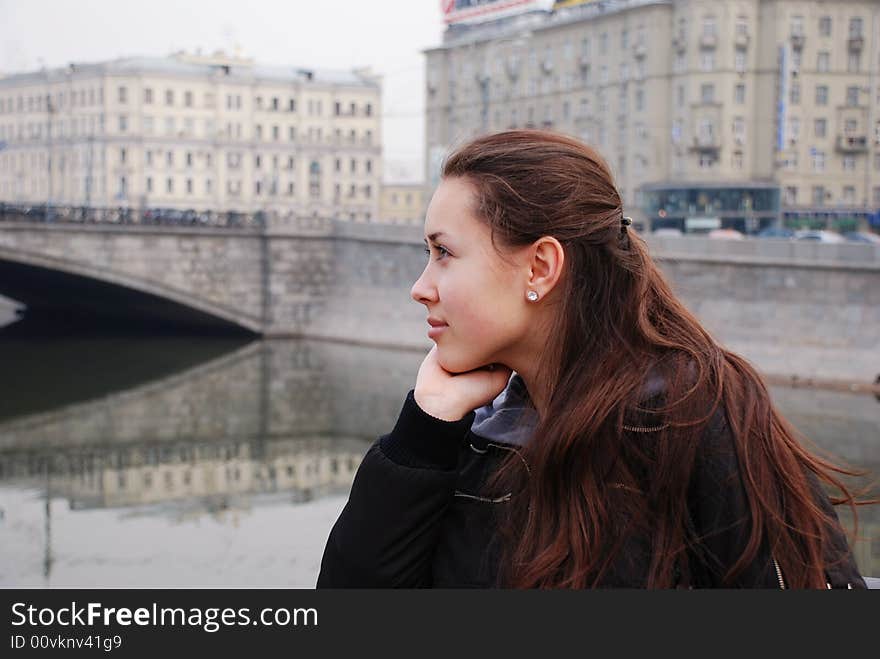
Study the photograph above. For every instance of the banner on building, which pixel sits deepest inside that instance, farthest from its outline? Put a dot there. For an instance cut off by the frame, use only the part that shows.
(457, 12)
(782, 101)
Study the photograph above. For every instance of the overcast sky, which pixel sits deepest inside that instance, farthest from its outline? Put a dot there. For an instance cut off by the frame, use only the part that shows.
(385, 34)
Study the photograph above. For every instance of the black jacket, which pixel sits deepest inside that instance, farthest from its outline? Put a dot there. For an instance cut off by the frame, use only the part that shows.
(417, 515)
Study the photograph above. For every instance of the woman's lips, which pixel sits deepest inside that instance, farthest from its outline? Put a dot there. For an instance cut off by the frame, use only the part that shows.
(436, 330)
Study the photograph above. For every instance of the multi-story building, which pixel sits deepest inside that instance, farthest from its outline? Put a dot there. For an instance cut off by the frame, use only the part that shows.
(710, 113)
(403, 203)
(193, 132)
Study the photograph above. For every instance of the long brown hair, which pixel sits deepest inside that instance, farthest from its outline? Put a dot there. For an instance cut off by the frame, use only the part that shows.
(618, 324)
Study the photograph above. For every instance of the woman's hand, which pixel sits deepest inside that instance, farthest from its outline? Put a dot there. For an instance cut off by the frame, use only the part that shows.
(449, 396)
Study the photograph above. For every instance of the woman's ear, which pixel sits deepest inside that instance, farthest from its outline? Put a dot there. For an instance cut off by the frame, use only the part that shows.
(545, 265)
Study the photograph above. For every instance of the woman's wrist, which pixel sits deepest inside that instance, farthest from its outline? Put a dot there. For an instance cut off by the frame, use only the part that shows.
(438, 408)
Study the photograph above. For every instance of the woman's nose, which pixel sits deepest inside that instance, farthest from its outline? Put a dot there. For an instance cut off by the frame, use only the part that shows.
(422, 291)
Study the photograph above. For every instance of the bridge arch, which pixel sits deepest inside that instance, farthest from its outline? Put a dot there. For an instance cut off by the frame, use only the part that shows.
(45, 281)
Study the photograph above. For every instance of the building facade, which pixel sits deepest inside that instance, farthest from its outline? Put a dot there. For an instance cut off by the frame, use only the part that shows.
(738, 113)
(193, 132)
(403, 203)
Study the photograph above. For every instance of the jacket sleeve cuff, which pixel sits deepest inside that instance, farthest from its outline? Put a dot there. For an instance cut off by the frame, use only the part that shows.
(423, 441)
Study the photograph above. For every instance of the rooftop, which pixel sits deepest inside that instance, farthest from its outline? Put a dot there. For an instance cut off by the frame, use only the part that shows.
(200, 66)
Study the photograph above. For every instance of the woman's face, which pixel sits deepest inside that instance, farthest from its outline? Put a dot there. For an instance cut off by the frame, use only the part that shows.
(478, 297)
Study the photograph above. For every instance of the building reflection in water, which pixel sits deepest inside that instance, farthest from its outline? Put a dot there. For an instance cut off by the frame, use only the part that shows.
(271, 426)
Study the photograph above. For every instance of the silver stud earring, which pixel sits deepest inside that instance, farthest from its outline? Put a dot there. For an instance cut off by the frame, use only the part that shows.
(532, 296)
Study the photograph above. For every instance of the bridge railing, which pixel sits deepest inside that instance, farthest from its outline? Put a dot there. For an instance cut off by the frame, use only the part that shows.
(169, 217)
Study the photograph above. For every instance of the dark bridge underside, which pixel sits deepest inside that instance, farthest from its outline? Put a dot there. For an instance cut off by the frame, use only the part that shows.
(61, 303)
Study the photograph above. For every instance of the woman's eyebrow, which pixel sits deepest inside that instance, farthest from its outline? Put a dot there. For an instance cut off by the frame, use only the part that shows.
(433, 237)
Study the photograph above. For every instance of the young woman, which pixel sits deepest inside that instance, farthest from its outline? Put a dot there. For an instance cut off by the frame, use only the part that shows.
(575, 426)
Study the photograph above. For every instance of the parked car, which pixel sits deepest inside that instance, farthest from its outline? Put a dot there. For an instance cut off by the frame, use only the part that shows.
(725, 234)
(819, 236)
(862, 237)
(781, 233)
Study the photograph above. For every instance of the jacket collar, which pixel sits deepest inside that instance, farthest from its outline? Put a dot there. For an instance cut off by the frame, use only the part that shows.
(510, 418)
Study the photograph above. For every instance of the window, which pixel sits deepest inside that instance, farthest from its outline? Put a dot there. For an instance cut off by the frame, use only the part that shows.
(149, 184)
(825, 26)
(189, 186)
(707, 93)
(855, 27)
(854, 62)
(823, 62)
(740, 61)
(276, 133)
(123, 95)
(290, 162)
(820, 128)
(123, 123)
(707, 61)
(849, 195)
(877, 195)
(258, 162)
(739, 94)
(169, 158)
(275, 103)
(794, 129)
(849, 163)
(603, 43)
(368, 109)
(259, 131)
(369, 166)
(821, 95)
(291, 133)
(291, 105)
(852, 96)
(169, 185)
(148, 158)
(818, 158)
(850, 126)
(739, 130)
(791, 195)
(169, 97)
(290, 189)
(710, 27)
(258, 188)
(795, 93)
(353, 166)
(818, 195)
(189, 158)
(148, 96)
(640, 100)
(797, 26)
(188, 99)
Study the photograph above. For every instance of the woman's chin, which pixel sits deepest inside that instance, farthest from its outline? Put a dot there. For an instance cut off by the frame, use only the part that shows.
(456, 365)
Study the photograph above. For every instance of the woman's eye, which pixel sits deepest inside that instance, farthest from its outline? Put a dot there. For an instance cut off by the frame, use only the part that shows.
(441, 252)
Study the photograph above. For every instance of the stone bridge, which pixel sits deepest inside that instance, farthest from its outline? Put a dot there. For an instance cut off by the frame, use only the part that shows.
(795, 309)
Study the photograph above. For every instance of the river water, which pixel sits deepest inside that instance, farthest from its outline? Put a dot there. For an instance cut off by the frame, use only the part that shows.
(216, 462)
